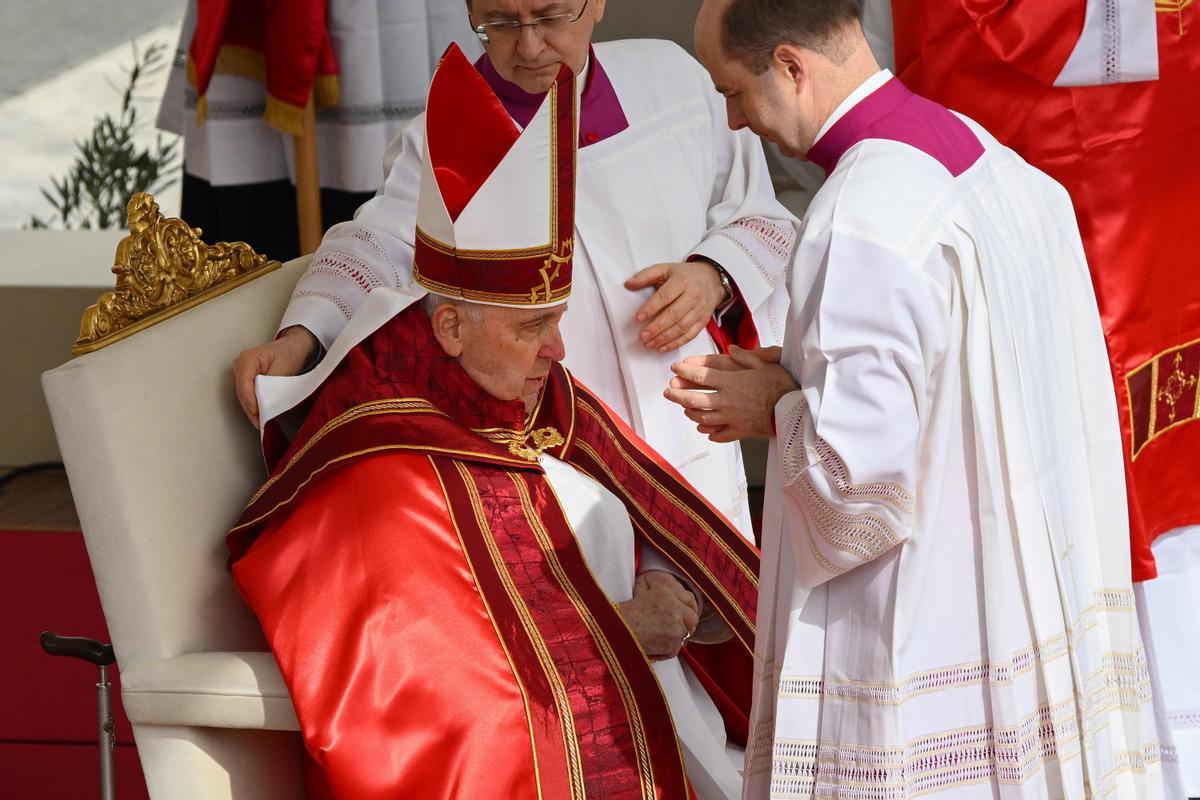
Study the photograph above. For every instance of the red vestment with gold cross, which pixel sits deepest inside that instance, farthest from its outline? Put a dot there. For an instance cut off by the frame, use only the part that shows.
(1124, 153)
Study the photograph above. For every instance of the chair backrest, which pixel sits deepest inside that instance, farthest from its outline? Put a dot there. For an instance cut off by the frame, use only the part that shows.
(161, 461)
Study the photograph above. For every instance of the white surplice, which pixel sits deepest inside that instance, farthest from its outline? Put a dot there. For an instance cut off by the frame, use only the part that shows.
(676, 182)
(1170, 609)
(945, 606)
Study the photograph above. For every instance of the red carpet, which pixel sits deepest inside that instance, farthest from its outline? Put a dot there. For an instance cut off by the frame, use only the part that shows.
(48, 704)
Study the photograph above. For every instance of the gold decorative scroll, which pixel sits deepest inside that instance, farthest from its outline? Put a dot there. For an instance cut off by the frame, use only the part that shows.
(163, 268)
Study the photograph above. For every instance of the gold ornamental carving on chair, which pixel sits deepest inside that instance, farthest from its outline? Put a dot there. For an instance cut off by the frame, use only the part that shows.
(163, 267)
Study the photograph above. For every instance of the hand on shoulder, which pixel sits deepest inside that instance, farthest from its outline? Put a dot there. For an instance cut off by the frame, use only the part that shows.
(286, 355)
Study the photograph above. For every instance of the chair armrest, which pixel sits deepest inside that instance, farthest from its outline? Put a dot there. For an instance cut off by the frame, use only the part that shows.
(212, 690)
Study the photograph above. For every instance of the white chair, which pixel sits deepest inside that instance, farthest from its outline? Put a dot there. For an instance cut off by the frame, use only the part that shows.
(161, 461)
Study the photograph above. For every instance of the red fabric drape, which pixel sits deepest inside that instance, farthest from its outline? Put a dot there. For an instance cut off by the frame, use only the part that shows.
(286, 45)
(1123, 152)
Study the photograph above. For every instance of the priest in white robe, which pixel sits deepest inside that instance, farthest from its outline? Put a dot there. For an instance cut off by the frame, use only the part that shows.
(945, 605)
(677, 229)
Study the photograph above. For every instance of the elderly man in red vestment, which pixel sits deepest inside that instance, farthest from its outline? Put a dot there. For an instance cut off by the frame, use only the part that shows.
(477, 581)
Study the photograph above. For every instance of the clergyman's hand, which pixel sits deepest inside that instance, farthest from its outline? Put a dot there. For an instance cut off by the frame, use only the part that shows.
(287, 355)
(731, 397)
(685, 297)
(661, 614)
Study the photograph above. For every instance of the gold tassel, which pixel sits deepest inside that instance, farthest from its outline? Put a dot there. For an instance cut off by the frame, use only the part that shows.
(241, 61)
(284, 117)
(327, 91)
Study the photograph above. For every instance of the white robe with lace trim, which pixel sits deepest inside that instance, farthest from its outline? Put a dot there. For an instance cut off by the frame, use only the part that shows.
(676, 182)
(945, 605)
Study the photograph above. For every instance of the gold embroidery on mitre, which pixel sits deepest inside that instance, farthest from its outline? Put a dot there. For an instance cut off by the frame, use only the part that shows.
(550, 269)
(543, 439)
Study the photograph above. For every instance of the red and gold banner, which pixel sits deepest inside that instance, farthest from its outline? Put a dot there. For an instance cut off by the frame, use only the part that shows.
(285, 46)
(1124, 153)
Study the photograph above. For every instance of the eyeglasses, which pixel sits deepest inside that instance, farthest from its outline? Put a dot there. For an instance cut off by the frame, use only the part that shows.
(511, 28)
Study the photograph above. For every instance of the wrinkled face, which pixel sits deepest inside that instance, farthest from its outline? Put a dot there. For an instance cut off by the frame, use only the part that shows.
(508, 351)
(773, 104)
(531, 57)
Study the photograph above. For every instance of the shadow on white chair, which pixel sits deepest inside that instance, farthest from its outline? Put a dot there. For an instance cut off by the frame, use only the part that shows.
(161, 461)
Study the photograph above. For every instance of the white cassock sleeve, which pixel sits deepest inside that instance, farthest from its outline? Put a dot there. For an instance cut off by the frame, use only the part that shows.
(747, 231)
(1118, 44)
(374, 249)
(848, 438)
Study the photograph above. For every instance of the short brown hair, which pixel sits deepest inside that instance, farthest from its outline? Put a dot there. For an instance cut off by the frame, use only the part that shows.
(752, 29)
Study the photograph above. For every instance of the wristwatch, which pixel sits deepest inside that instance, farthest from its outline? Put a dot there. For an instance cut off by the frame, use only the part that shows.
(726, 284)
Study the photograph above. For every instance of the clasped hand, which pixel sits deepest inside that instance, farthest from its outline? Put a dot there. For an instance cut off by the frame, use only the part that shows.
(731, 397)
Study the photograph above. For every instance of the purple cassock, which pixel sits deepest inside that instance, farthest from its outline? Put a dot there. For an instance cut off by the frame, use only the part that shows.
(600, 114)
(893, 112)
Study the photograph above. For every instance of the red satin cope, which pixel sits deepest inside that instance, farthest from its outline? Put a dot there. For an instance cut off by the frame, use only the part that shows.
(1124, 153)
(996, 55)
(398, 677)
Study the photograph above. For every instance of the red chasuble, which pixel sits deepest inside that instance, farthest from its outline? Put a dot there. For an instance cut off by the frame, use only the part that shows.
(283, 45)
(1124, 153)
(430, 609)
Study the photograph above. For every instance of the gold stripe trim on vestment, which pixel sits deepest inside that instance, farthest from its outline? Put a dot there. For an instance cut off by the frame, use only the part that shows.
(632, 711)
(553, 678)
(675, 541)
(751, 574)
(499, 637)
(397, 405)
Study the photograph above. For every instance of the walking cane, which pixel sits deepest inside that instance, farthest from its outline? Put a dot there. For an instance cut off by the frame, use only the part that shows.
(101, 655)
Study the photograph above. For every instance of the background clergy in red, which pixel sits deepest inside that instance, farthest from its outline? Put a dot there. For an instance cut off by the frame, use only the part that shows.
(1124, 151)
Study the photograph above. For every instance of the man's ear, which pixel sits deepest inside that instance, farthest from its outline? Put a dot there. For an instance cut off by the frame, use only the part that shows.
(447, 323)
(791, 61)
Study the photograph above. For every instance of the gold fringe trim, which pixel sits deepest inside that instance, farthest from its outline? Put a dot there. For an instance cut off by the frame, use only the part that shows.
(327, 91)
(241, 61)
(284, 117)
(281, 115)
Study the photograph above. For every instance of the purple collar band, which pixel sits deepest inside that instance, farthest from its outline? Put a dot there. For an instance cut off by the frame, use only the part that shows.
(893, 112)
(600, 114)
